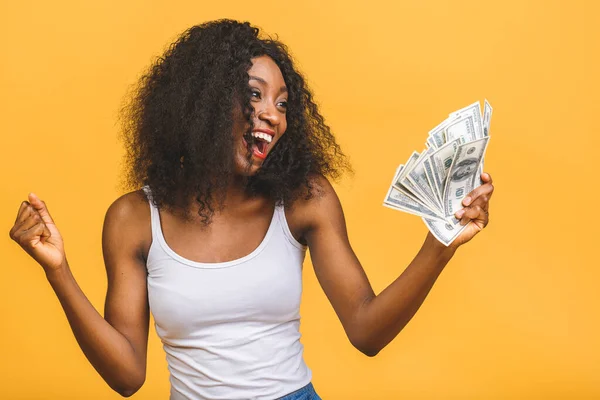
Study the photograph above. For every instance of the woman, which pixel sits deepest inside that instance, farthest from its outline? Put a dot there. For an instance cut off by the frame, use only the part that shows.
(232, 157)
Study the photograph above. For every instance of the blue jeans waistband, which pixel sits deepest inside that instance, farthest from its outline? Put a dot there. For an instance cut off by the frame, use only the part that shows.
(305, 393)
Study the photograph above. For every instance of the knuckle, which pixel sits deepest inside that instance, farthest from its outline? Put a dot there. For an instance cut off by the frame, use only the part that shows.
(20, 240)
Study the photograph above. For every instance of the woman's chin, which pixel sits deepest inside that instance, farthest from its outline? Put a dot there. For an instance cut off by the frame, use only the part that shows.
(245, 167)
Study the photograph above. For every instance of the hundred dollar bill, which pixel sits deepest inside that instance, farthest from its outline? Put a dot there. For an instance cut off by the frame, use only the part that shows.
(445, 231)
(417, 176)
(430, 142)
(414, 198)
(400, 201)
(409, 188)
(400, 173)
(462, 127)
(427, 166)
(437, 135)
(403, 169)
(441, 160)
(487, 117)
(473, 111)
(462, 176)
(416, 190)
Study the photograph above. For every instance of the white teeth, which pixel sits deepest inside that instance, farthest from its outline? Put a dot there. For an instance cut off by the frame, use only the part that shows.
(261, 135)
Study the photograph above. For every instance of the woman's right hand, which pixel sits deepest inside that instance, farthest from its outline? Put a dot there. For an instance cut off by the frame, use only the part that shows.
(36, 233)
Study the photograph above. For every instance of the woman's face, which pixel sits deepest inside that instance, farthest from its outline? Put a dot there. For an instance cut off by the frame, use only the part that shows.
(269, 100)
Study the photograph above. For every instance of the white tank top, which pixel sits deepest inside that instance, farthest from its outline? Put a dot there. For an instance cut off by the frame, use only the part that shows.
(230, 330)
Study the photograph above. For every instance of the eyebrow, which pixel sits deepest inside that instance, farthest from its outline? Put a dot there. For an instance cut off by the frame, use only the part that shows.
(256, 78)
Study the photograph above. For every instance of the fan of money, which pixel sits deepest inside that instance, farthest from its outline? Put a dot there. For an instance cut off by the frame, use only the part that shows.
(433, 183)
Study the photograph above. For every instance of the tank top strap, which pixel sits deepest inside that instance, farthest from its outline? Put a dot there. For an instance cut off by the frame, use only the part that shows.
(280, 213)
(154, 215)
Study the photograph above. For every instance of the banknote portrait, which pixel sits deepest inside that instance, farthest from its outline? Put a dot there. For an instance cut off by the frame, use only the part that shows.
(464, 169)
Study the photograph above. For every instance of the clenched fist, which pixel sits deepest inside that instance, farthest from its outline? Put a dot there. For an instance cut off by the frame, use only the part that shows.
(35, 232)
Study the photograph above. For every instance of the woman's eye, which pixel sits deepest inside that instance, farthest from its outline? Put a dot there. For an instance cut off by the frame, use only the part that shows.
(283, 104)
(255, 94)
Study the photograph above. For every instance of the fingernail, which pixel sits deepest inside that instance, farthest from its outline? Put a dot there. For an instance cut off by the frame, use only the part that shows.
(466, 201)
(459, 213)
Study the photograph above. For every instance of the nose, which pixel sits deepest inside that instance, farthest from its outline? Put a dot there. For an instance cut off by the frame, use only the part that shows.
(269, 114)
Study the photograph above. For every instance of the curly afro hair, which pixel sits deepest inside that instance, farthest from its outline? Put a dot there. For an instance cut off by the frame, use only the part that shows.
(182, 108)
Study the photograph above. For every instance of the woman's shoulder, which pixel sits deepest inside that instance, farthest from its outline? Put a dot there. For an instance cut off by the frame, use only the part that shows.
(130, 207)
(307, 212)
(129, 215)
(322, 193)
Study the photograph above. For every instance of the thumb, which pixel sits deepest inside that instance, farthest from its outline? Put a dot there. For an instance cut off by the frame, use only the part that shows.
(40, 207)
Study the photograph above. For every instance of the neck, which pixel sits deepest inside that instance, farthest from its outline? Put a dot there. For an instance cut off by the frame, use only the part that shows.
(235, 193)
(232, 197)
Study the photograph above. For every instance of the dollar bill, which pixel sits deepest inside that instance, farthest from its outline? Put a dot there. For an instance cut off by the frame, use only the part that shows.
(402, 171)
(414, 198)
(402, 184)
(444, 231)
(430, 142)
(418, 178)
(472, 110)
(403, 200)
(399, 201)
(441, 161)
(461, 127)
(399, 173)
(427, 166)
(487, 117)
(462, 176)
(437, 135)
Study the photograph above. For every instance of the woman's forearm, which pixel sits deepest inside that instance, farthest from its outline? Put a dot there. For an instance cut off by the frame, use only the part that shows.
(382, 317)
(109, 352)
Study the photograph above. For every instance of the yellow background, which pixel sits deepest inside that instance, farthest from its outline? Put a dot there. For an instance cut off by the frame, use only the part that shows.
(515, 315)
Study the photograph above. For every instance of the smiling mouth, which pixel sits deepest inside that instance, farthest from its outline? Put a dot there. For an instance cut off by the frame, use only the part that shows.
(260, 143)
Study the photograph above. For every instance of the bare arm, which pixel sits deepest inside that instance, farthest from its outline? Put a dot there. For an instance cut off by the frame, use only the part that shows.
(370, 321)
(115, 345)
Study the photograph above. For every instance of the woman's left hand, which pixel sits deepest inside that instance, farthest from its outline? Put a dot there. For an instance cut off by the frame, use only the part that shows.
(476, 210)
